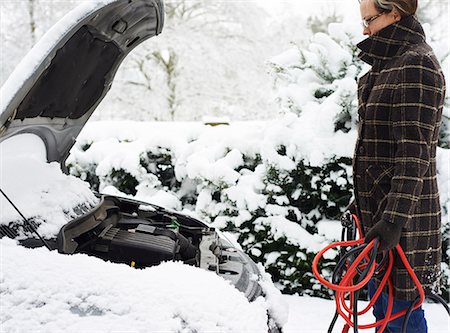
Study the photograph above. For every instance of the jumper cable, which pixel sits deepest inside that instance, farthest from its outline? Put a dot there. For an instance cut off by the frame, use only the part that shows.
(355, 268)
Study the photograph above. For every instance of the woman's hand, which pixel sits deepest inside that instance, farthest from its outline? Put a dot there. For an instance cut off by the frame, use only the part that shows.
(387, 233)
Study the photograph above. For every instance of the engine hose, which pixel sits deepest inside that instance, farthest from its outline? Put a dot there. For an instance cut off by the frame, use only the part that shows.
(187, 250)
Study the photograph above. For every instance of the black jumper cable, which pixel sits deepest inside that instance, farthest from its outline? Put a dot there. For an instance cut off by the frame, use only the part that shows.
(357, 264)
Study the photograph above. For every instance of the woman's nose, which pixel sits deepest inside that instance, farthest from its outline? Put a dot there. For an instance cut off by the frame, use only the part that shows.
(366, 31)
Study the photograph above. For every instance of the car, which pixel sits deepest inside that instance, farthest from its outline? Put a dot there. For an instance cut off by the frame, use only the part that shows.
(70, 71)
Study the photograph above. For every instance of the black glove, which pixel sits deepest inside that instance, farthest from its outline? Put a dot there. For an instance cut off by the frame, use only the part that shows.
(388, 234)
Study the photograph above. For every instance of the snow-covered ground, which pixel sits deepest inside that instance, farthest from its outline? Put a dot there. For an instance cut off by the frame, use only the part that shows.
(44, 291)
(313, 315)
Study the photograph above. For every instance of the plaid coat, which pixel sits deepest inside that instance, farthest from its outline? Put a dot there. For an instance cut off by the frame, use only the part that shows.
(400, 107)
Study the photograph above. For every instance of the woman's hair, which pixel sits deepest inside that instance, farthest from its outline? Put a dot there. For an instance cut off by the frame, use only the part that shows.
(404, 7)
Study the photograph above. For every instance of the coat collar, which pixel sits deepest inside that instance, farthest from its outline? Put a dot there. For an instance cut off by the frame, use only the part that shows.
(387, 43)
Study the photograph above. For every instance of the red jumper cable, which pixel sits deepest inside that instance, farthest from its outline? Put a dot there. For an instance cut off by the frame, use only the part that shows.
(361, 269)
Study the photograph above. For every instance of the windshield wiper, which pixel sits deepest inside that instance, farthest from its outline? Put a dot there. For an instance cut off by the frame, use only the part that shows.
(28, 223)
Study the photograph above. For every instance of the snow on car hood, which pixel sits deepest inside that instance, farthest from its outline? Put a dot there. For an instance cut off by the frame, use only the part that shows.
(40, 190)
(60, 82)
(42, 289)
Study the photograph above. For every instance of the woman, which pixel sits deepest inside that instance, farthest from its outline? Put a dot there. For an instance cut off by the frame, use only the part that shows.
(400, 107)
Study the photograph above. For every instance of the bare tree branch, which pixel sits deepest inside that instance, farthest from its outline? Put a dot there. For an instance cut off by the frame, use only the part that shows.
(31, 13)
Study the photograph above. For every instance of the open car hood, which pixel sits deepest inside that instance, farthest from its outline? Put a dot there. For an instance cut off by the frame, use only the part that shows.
(58, 85)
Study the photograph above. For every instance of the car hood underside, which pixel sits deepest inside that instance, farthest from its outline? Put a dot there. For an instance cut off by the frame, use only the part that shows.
(58, 97)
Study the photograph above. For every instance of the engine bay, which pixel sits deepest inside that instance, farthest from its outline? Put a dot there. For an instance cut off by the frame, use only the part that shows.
(141, 235)
(134, 233)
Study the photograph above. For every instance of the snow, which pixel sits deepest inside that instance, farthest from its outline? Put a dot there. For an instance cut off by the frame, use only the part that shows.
(53, 293)
(443, 165)
(313, 315)
(39, 189)
(282, 227)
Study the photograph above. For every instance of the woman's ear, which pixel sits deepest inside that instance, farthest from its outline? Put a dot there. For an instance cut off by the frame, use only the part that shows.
(396, 15)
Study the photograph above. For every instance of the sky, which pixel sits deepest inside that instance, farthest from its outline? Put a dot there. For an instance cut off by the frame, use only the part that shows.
(306, 7)
(347, 8)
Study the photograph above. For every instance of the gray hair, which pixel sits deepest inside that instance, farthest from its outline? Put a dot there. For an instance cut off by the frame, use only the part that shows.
(404, 7)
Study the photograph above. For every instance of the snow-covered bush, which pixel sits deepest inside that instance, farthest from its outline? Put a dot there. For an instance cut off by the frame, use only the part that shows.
(251, 179)
(241, 178)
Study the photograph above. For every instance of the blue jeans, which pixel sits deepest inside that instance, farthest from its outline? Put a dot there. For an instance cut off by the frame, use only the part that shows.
(416, 323)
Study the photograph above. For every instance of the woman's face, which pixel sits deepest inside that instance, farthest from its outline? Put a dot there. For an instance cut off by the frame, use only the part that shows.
(376, 20)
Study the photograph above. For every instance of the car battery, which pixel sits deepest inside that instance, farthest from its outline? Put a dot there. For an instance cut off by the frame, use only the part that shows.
(143, 246)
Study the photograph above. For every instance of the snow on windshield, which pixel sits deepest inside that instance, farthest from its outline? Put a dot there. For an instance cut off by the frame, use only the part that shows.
(40, 190)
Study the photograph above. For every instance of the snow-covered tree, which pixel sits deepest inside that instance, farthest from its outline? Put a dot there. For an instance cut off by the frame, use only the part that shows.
(208, 61)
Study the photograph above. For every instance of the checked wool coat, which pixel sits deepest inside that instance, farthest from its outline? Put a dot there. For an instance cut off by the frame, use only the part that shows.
(400, 107)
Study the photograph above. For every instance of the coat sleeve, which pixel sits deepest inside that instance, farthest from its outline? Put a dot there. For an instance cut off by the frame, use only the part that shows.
(415, 107)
